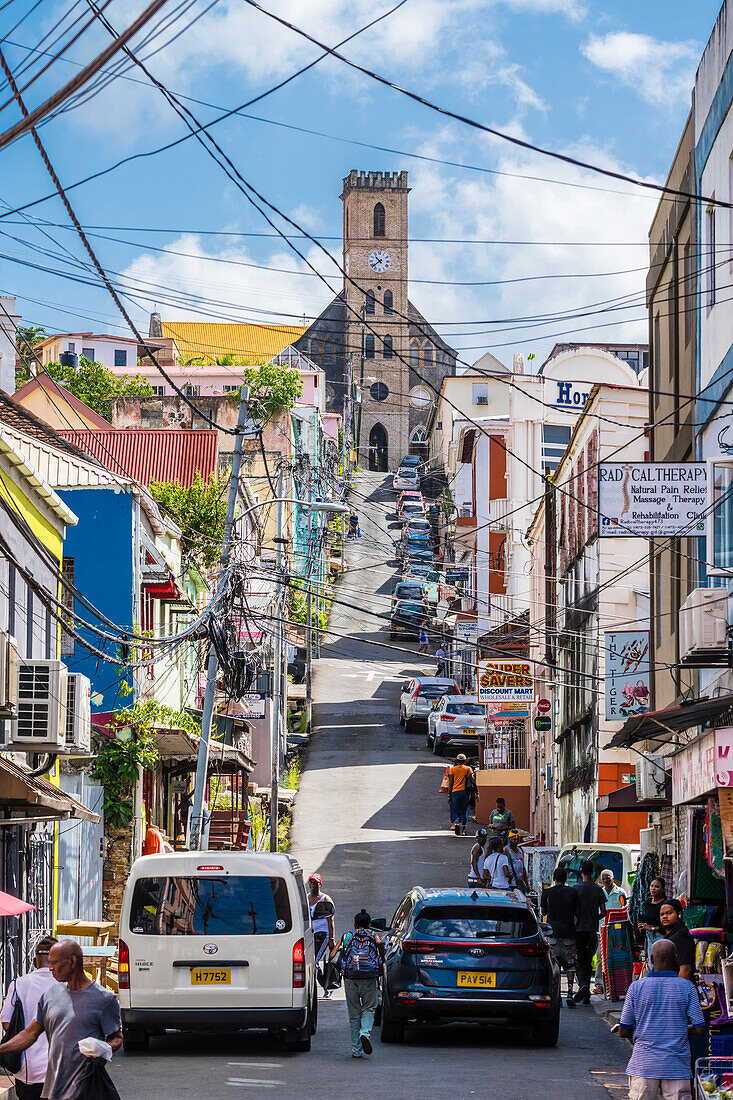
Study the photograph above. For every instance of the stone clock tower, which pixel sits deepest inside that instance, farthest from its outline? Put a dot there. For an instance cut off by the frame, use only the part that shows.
(375, 260)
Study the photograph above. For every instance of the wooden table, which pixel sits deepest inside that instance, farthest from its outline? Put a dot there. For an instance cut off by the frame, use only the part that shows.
(96, 930)
(96, 958)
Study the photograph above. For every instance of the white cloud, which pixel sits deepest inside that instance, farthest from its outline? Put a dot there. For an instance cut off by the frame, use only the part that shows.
(662, 72)
(573, 9)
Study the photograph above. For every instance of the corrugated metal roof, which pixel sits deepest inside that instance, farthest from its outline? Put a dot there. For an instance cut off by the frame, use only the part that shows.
(153, 454)
(257, 343)
(33, 794)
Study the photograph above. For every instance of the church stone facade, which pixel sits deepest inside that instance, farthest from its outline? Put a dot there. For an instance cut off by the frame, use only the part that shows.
(373, 323)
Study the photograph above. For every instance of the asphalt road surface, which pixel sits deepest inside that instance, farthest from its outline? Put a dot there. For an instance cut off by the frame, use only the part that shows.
(369, 817)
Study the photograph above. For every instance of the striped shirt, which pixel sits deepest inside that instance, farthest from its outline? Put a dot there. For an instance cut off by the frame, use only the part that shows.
(660, 1008)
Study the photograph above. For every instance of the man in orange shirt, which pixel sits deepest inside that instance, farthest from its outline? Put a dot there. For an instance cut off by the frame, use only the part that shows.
(460, 778)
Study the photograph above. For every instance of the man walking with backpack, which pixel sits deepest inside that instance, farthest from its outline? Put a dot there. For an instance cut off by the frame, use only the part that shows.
(361, 962)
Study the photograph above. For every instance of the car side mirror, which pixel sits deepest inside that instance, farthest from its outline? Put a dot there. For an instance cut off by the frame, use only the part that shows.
(380, 923)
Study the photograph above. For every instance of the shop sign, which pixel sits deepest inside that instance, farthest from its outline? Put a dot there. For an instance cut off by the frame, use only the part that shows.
(693, 770)
(506, 715)
(724, 756)
(505, 681)
(542, 725)
(544, 706)
(571, 395)
(627, 673)
(466, 632)
(725, 801)
(253, 706)
(651, 499)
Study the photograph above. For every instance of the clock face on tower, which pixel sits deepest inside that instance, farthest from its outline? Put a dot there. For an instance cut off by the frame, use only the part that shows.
(379, 260)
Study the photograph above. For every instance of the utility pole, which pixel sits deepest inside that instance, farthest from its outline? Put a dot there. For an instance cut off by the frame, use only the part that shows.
(361, 384)
(279, 689)
(309, 622)
(202, 762)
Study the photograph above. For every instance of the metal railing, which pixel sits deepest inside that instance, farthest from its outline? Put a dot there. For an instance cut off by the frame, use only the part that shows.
(506, 748)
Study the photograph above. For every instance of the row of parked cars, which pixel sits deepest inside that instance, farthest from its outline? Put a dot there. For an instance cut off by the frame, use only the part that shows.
(419, 587)
(452, 722)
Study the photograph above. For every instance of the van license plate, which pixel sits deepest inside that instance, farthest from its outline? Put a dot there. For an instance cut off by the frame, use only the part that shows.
(477, 979)
(206, 976)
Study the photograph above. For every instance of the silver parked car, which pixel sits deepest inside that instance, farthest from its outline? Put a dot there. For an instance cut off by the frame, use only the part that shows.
(418, 696)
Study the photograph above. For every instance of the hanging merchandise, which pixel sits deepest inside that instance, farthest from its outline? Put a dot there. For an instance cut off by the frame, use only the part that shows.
(713, 839)
(616, 953)
(648, 870)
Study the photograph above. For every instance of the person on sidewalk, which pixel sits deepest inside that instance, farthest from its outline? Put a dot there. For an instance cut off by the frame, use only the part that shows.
(591, 912)
(440, 661)
(516, 858)
(501, 820)
(460, 777)
(354, 531)
(476, 859)
(73, 1008)
(675, 929)
(362, 952)
(615, 899)
(560, 906)
(28, 989)
(659, 1014)
(323, 922)
(650, 924)
(498, 872)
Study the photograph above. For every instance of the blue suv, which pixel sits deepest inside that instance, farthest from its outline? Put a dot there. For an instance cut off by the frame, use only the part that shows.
(469, 954)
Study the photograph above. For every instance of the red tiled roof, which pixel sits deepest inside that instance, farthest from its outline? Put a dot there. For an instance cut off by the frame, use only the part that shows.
(145, 454)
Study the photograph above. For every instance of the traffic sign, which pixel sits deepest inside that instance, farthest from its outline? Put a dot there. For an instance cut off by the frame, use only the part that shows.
(542, 725)
(544, 706)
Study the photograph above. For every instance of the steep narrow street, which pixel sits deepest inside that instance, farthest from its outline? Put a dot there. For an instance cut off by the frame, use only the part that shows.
(370, 819)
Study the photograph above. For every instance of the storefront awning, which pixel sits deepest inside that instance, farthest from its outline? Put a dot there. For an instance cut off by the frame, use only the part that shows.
(182, 746)
(660, 726)
(624, 800)
(32, 797)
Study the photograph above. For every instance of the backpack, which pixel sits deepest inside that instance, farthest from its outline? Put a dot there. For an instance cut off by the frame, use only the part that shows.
(361, 957)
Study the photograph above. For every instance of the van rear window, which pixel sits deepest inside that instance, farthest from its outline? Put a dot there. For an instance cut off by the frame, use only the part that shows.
(191, 905)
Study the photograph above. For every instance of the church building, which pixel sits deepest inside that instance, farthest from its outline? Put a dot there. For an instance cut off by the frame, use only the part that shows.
(373, 329)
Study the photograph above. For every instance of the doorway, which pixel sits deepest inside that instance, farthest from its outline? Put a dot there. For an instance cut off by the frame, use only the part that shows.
(378, 449)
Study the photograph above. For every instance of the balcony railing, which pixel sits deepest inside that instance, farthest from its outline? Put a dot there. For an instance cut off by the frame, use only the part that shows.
(499, 509)
(506, 748)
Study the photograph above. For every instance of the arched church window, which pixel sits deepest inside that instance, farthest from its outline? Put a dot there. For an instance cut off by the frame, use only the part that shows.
(369, 347)
(379, 220)
(388, 349)
(370, 303)
(388, 300)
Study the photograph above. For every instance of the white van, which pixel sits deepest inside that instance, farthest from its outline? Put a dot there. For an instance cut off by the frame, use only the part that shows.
(216, 941)
(622, 859)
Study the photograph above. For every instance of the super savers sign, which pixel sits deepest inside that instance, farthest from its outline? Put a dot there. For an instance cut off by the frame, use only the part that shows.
(505, 681)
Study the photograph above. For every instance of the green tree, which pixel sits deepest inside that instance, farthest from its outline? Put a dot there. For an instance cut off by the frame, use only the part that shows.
(92, 383)
(272, 387)
(27, 336)
(199, 512)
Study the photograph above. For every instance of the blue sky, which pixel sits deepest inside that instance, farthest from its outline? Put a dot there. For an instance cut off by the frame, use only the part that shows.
(611, 86)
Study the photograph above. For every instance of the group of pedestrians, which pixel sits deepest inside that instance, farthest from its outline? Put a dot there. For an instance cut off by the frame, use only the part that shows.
(496, 864)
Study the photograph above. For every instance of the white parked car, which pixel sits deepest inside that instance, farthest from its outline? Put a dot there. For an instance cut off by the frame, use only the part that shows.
(455, 723)
(419, 694)
(216, 941)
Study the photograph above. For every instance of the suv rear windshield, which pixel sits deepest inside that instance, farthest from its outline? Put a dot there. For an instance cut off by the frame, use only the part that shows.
(465, 708)
(436, 691)
(479, 922)
(190, 905)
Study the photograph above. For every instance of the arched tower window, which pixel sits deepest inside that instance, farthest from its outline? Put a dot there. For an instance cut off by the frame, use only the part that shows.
(327, 354)
(388, 300)
(388, 349)
(370, 303)
(428, 355)
(379, 220)
(369, 347)
(314, 351)
(414, 354)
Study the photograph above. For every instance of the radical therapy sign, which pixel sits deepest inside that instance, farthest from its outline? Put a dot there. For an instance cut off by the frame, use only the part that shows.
(651, 499)
(505, 681)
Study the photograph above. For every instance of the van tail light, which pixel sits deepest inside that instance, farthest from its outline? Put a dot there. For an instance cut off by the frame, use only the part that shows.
(123, 965)
(299, 965)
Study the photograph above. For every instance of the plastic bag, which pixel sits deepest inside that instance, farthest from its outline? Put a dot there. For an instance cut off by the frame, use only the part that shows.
(95, 1083)
(95, 1048)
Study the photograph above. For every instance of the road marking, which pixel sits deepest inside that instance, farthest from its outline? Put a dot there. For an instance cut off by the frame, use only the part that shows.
(253, 1083)
(257, 1065)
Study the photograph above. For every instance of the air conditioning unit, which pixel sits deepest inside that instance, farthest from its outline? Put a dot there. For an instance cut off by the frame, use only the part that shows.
(39, 724)
(704, 628)
(651, 778)
(8, 675)
(78, 713)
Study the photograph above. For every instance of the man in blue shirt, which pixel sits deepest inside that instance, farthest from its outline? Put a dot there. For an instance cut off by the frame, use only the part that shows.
(659, 1012)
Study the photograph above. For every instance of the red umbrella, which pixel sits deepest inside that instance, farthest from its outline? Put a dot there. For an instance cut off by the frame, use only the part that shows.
(12, 907)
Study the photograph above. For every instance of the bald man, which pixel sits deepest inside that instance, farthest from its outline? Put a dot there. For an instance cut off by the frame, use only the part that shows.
(660, 1013)
(74, 1008)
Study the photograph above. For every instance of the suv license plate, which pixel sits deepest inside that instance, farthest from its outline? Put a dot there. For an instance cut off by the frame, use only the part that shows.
(206, 976)
(468, 730)
(477, 979)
